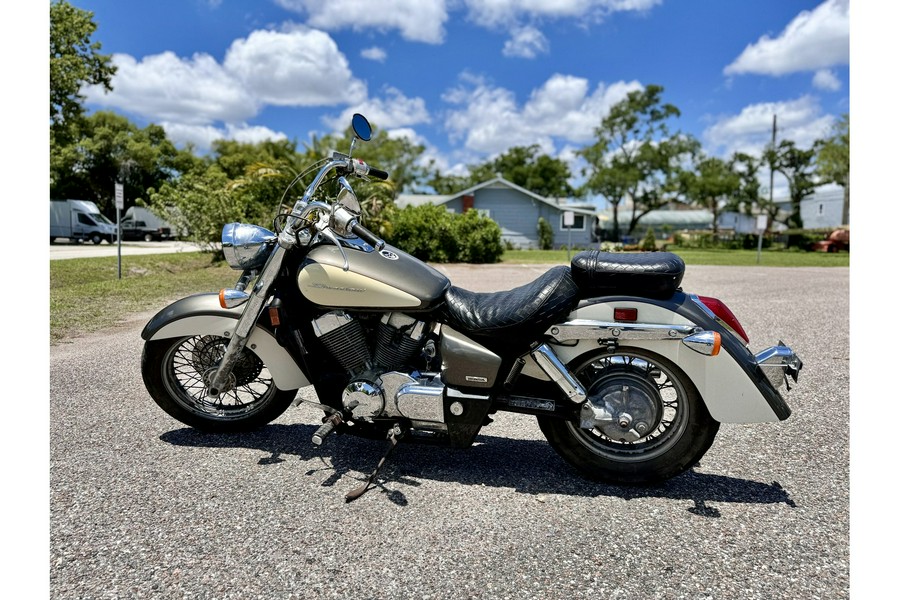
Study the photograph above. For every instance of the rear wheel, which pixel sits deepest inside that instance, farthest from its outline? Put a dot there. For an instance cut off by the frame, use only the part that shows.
(660, 426)
(176, 373)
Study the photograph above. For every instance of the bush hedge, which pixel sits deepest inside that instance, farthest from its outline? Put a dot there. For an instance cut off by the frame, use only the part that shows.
(433, 234)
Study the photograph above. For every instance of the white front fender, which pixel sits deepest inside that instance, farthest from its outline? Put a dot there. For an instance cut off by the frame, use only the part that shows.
(286, 374)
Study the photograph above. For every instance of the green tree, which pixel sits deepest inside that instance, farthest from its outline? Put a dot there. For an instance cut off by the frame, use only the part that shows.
(635, 156)
(200, 203)
(833, 161)
(712, 184)
(524, 166)
(798, 167)
(111, 149)
(75, 61)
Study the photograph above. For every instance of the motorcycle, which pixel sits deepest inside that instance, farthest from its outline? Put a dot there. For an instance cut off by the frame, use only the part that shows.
(628, 375)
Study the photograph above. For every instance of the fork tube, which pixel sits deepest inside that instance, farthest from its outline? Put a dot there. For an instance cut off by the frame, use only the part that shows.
(245, 324)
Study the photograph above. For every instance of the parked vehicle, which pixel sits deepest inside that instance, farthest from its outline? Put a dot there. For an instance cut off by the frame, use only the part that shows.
(138, 223)
(628, 375)
(79, 220)
(837, 241)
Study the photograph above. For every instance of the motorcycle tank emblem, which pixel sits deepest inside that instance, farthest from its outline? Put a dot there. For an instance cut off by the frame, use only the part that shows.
(389, 255)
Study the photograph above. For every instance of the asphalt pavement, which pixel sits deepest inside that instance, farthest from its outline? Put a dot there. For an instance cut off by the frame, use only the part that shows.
(144, 507)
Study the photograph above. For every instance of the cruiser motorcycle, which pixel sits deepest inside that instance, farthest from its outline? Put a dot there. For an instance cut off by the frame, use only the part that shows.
(628, 375)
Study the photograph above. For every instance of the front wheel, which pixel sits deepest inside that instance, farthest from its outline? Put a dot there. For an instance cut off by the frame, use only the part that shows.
(660, 426)
(176, 370)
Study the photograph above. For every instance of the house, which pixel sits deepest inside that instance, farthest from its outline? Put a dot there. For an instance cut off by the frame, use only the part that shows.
(822, 210)
(517, 210)
(660, 221)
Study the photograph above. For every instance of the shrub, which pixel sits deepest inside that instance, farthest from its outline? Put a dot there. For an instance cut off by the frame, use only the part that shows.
(433, 234)
(477, 238)
(545, 234)
(648, 244)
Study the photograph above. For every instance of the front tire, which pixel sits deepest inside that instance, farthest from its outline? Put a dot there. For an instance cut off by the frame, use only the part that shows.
(175, 372)
(668, 427)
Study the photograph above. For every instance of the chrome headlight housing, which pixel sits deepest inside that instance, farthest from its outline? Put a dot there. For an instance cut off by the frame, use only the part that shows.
(247, 246)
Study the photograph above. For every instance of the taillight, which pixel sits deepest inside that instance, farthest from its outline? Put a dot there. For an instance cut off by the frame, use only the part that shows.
(725, 316)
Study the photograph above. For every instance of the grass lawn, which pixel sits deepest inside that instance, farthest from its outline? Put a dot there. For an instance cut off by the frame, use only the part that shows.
(86, 294)
(738, 258)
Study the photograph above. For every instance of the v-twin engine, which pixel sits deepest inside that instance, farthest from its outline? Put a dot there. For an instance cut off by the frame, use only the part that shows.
(383, 383)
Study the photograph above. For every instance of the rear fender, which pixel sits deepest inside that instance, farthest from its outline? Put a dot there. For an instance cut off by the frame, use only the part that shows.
(729, 391)
(202, 315)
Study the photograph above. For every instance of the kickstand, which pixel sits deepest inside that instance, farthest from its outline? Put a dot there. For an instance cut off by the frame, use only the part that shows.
(394, 436)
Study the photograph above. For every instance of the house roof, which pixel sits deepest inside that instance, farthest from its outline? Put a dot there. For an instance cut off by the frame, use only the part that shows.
(663, 217)
(419, 199)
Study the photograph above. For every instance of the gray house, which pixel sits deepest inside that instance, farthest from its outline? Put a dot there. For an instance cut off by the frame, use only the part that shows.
(517, 210)
(824, 209)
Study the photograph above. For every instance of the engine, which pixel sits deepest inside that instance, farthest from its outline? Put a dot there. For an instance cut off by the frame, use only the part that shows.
(379, 386)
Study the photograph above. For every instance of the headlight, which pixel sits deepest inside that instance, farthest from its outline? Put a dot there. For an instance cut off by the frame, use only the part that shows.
(246, 246)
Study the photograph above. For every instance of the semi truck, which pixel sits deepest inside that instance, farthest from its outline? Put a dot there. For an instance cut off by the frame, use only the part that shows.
(79, 220)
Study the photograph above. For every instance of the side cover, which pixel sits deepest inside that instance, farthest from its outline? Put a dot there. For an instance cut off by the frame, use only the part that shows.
(201, 314)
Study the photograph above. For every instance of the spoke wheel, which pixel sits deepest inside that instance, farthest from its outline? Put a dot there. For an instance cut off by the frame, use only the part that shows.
(659, 426)
(177, 372)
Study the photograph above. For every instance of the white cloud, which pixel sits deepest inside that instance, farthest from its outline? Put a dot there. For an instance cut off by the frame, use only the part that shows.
(302, 67)
(500, 13)
(164, 87)
(199, 100)
(814, 40)
(825, 79)
(391, 111)
(416, 20)
(526, 42)
(374, 53)
(490, 121)
(800, 120)
(203, 136)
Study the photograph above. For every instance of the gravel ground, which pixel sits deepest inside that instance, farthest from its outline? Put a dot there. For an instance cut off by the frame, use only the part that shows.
(142, 507)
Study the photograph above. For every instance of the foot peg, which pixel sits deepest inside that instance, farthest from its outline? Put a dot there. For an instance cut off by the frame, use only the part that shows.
(327, 428)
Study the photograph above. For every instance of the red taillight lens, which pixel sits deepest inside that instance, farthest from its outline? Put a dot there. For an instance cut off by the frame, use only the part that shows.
(725, 315)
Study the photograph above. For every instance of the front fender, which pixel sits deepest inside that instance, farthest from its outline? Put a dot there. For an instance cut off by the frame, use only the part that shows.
(201, 314)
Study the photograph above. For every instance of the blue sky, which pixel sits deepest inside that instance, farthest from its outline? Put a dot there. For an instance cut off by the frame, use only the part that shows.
(471, 78)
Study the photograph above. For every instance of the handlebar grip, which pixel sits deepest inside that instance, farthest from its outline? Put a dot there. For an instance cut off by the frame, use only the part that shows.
(377, 173)
(367, 236)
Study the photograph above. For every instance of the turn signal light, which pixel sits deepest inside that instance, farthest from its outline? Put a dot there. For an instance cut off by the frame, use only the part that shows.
(705, 342)
(230, 298)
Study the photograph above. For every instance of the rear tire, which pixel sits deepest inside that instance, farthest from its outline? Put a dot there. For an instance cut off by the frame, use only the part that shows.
(174, 372)
(679, 428)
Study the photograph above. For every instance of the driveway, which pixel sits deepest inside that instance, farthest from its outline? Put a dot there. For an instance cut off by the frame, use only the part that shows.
(143, 507)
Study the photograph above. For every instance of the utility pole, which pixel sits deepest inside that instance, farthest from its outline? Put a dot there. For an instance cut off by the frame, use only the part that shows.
(771, 191)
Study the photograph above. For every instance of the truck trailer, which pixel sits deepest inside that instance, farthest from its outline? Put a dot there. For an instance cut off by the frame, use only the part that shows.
(79, 220)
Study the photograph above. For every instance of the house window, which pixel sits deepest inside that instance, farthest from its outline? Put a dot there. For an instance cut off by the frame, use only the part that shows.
(484, 212)
(577, 223)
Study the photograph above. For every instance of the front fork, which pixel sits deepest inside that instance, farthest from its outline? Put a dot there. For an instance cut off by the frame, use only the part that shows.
(220, 379)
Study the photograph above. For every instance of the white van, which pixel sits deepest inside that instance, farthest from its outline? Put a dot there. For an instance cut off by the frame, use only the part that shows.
(79, 220)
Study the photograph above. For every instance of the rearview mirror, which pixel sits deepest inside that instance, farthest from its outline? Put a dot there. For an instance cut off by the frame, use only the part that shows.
(361, 127)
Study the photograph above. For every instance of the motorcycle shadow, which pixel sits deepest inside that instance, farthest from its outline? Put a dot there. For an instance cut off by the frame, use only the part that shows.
(528, 466)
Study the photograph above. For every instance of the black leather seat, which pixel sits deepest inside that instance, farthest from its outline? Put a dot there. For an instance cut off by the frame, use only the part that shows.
(645, 274)
(511, 318)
